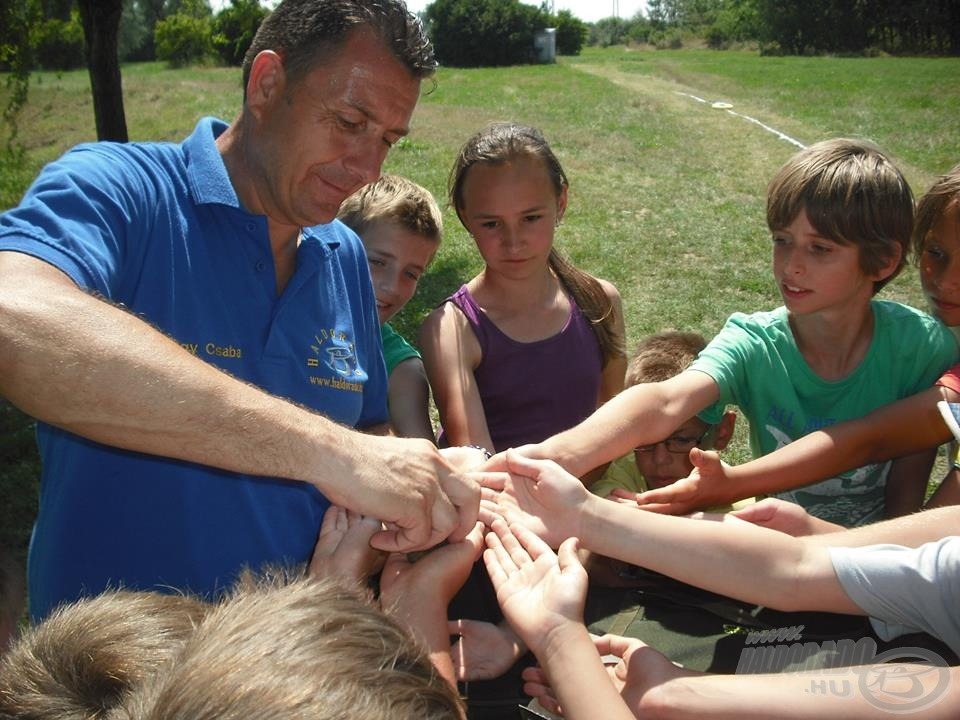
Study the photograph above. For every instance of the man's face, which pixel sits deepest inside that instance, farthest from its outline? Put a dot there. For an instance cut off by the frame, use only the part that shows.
(319, 139)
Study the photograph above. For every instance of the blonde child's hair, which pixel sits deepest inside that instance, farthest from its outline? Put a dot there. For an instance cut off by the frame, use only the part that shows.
(853, 194)
(502, 142)
(86, 657)
(942, 197)
(662, 356)
(397, 200)
(297, 649)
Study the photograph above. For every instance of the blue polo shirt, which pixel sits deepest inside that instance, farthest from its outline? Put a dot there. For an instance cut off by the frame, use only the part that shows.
(158, 228)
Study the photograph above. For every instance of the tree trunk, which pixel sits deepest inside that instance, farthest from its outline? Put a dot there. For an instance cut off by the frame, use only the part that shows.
(101, 27)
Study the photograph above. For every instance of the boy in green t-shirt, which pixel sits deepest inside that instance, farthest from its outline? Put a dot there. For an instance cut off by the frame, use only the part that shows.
(401, 227)
(840, 216)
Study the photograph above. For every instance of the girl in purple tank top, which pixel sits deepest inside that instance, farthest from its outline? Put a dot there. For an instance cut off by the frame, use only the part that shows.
(532, 345)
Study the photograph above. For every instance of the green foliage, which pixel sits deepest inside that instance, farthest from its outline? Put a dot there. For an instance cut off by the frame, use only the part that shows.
(183, 40)
(571, 33)
(484, 33)
(16, 56)
(609, 31)
(58, 44)
(234, 28)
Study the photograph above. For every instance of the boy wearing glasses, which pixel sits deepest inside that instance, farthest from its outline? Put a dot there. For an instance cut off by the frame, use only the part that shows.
(647, 467)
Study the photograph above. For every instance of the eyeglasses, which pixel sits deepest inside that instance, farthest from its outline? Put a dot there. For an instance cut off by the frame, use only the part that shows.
(676, 443)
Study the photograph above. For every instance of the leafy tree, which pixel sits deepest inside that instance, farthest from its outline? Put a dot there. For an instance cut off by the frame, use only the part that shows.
(572, 33)
(58, 44)
(16, 57)
(234, 28)
(609, 31)
(476, 33)
(183, 39)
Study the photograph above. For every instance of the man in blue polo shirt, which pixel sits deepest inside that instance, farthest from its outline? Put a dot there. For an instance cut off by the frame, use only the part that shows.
(196, 334)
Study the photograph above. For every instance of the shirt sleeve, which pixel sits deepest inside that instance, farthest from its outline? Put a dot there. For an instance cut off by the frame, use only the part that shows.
(904, 589)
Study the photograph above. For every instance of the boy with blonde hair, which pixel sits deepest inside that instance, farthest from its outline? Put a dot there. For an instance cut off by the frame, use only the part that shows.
(297, 649)
(401, 226)
(86, 657)
(840, 214)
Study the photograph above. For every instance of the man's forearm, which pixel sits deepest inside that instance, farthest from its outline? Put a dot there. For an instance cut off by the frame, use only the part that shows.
(81, 364)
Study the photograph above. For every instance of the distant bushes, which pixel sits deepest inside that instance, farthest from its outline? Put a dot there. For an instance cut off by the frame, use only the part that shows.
(234, 27)
(58, 44)
(183, 40)
(489, 33)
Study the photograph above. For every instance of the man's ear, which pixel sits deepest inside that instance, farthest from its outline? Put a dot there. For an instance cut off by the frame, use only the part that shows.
(723, 433)
(266, 82)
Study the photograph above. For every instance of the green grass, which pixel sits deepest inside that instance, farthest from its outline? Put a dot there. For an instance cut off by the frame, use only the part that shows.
(667, 195)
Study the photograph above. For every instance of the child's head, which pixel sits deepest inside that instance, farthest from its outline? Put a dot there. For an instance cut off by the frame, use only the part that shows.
(401, 227)
(84, 658)
(852, 194)
(301, 649)
(510, 193)
(508, 146)
(659, 357)
(936, 242)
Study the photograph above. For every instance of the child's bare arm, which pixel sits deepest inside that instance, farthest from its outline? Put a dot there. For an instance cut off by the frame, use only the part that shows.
(419, 592)
(786, 573)
(641, 414)
(611, 382)
(409, 399)
(542, 596)
(907, 482)
(898, 429)
(450, 354)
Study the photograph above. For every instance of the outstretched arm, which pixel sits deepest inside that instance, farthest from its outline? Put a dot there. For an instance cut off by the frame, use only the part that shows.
(899, 429)
(641, 414)
(89, 367)
(787, 573)
(542, 596)
(418, 593)
(653, 687)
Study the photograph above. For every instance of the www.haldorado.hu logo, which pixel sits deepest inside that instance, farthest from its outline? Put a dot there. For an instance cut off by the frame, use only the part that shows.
(899, 681)
(334, 349)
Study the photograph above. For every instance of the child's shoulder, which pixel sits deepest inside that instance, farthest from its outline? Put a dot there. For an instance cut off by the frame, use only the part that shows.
(893, 312)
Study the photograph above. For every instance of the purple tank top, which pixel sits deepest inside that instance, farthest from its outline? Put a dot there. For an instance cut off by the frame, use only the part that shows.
(531, 391)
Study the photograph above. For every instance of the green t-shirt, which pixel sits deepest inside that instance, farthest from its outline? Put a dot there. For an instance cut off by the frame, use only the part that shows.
(758, 367)
(395, 348)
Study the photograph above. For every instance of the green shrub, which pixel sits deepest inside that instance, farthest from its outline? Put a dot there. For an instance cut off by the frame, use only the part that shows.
(183, 40)
(234, 28)
(484, 33)
(572, 32)
(58, 44)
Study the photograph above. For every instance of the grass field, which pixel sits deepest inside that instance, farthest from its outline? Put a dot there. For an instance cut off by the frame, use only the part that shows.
(667, 193)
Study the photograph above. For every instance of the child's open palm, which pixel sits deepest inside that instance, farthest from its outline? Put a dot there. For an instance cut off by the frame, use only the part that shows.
(539, 591)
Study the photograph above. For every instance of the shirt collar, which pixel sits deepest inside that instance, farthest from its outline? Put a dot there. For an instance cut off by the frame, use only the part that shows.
(208, 177)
